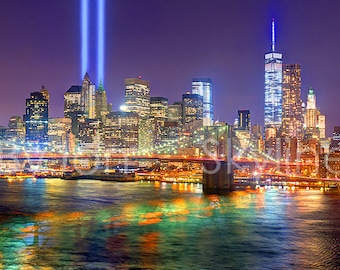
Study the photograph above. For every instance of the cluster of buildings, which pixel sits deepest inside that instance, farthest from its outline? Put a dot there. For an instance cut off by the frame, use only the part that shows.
(144, 124)
(294, 130)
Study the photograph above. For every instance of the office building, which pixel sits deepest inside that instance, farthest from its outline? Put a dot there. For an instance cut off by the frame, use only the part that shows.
(101, 103)
(192, 107)
(90, 136)
(159, 114)
(88, 98)
(311, 115)
(16, 129)
(175, 112)
(36, 121)
(137, 96)
(73, 106)
(121, 132)
(203, 87)
(60, 137)
(243, 122)
(273, 86)
(292, 118)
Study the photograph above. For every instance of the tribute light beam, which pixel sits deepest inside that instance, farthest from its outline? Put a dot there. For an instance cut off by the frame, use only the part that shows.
(100, 40)
(84, 36)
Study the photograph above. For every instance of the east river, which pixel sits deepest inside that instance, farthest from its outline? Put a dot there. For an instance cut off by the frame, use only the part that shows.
(60, 224)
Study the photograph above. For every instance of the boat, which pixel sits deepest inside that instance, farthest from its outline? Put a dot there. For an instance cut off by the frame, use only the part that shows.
(101, 175)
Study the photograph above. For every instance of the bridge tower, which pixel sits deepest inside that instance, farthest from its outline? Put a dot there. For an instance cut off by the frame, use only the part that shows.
(218, 171)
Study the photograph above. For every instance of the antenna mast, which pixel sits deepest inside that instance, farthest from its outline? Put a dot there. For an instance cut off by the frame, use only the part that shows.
(273, 35)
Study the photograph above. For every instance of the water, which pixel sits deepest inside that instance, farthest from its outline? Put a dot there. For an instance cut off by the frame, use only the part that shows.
(58, 224)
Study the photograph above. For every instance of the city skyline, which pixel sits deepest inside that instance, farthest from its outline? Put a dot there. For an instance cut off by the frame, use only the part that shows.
(171, 53)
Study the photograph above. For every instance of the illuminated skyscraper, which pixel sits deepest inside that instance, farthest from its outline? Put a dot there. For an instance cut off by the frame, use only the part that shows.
(88, 97)
(311, 111)
(159, 114)
(292, 118)
(192, 107)
(121, 132)
(244, 119)
(73, 107)
(273, 86)
(60, 137)
(203, 87)
(36, 121)
(137, 96)
(176, 112)
(101, 103)
(16, 129)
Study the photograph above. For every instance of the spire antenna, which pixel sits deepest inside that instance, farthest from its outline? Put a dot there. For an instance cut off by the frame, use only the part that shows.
(273, 35)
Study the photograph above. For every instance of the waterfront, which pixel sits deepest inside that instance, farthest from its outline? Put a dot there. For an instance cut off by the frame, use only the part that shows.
(53, 223)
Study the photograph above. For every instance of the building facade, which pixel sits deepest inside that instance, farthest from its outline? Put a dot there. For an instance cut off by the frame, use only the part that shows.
(36, 121)
(101, 103)
(203, 87)
(192, 107)
(73, 106)
(273, 86)
(137, 96)
(292, 117)
(88, 98)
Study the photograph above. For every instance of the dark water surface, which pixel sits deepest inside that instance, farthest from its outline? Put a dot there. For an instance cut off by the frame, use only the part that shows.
(58, 224)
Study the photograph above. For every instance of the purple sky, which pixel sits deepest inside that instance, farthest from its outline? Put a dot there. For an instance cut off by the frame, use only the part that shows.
(169, 43)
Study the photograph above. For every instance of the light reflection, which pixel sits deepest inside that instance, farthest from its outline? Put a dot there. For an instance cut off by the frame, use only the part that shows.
(143, 227)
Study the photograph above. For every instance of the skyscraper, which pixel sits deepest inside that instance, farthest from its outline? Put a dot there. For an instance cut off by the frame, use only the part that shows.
(88, 97)
(273, 86)
(16, 129)
(292, 118)
(203, 87)
(137, 96)
(101, 103)
(311, 111)
(244, 119)
(192, 107)
(73, 107)
(36, 121)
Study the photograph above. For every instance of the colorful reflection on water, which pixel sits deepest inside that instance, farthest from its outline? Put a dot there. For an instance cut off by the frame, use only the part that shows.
(52, 223)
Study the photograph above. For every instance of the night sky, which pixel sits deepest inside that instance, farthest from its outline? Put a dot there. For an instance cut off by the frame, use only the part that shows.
(169, 42)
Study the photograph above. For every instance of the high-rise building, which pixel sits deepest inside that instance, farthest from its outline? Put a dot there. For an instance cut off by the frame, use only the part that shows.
(36, 121)
(292, 118)
(88, 97)
(73, 107)
(137, 96)
(90, 136)
(244, 119)
(60, 137)
(159, 107)
(192, 107)
(159, 114)
(273, 86)
(121, 132)
(311, 110)
(175, 112)
(322, 125)
(101, 103)
(16, 129)
(203, 87)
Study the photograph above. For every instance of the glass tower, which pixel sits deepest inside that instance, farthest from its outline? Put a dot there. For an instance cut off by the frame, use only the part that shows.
(36, 121)
(273, 86)
(203, 87)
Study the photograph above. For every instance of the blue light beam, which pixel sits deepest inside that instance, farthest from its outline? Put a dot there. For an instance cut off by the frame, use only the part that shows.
(84, 36)
(101, 39)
